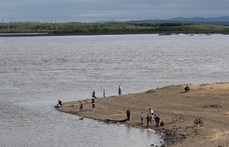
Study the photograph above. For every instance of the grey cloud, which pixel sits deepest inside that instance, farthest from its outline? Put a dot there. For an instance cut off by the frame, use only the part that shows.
(94, 10)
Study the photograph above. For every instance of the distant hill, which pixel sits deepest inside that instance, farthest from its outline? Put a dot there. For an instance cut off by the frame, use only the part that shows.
(216, 20)
(201, 19)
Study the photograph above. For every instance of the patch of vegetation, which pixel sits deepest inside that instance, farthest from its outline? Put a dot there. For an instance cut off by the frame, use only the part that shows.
(169, 87)
(78, 28)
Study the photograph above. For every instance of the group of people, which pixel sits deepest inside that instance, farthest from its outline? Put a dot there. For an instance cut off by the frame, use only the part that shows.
(94, 97)
(151, 116)
(92, 102)
(59, 104)
(104, 94)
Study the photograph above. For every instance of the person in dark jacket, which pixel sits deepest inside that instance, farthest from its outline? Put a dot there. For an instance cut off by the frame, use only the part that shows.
(128, 114)
(147, 120)
(93, 103)
(93, 94)
(157, 120)
(186, 89)
(119, 90)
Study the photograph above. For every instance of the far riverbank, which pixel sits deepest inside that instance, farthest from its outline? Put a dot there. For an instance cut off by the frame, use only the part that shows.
(108, 28)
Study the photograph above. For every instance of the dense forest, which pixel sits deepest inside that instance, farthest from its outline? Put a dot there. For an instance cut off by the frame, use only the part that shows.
(78, 28)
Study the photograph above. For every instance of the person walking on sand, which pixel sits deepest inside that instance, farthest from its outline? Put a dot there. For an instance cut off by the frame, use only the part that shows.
(128, 114)
(81, 106)
(141, 118)
(119, 90)
(93, 103)
(147, 120)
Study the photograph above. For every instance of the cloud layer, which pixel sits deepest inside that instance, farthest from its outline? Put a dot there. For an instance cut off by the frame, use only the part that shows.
(101, 10)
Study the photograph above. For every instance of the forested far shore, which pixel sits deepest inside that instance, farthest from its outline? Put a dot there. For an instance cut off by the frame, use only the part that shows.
(78, 28)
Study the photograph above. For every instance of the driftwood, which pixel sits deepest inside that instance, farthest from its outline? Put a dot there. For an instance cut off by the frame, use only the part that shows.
(115, 121)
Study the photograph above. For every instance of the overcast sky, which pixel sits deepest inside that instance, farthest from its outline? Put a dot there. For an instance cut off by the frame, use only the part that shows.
(107, 10)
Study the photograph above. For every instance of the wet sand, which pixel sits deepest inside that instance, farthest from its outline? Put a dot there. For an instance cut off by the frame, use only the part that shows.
(208, 101)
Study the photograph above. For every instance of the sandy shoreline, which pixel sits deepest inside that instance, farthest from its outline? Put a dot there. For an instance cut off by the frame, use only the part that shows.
(208, 101)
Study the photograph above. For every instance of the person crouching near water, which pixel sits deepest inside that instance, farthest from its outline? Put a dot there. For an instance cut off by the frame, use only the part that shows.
(60, 103)
(186, 89)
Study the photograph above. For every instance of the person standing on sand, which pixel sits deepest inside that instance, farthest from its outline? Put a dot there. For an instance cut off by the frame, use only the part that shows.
(147, 120)
(119, 90)
(157, 120)
(93, 103)
(104, 93)
(81, 106)
(141, 118)
(93, 94)
(128, 114)
(151, 114)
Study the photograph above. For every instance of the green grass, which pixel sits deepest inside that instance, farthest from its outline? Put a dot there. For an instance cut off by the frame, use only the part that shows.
(77, 28)
(169, 87)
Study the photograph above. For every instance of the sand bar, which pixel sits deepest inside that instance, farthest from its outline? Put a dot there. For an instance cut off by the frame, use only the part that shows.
(208, 101)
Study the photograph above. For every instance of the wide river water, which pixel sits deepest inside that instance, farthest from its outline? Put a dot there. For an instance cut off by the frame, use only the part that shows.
(37, 71)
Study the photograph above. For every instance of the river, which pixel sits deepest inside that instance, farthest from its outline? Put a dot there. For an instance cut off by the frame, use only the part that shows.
(37, 71)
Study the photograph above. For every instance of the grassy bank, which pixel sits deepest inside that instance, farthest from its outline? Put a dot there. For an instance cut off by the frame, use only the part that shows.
(77, 28)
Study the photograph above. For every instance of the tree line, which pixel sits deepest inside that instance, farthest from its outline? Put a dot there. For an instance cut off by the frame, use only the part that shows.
(78, 28)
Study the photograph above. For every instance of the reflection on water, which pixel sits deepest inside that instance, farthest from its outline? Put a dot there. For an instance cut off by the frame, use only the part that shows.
(37, 71)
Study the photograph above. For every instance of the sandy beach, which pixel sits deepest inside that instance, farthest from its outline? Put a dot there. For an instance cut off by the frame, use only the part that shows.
(208, 101)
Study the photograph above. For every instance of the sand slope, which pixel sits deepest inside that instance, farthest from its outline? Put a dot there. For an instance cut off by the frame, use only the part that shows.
(208, 101)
